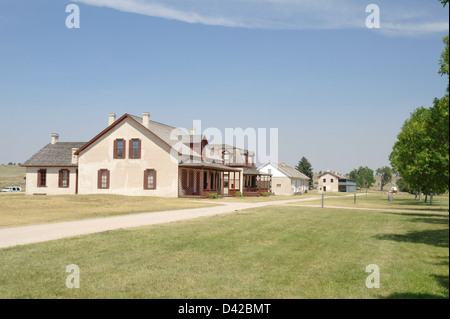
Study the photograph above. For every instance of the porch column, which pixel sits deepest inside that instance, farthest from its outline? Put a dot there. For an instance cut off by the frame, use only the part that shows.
(201, 182)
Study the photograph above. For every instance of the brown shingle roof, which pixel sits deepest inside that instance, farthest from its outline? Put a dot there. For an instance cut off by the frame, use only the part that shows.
(59, 154)
(292, 172)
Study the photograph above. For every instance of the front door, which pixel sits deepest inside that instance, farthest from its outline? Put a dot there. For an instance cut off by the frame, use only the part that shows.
(225, 183)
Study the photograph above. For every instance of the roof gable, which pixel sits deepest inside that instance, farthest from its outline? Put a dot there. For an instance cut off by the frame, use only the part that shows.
(165, 133)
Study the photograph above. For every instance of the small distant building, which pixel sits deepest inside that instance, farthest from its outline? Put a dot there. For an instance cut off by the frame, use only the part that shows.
(286, 180)
(335, 182)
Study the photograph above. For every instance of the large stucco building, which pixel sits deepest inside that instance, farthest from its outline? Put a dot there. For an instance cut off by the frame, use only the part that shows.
(137, 156)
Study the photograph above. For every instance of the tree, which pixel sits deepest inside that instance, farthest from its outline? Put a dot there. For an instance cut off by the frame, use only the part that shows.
(385, 173)
(363, 176)
(304, 166)
(402, 185)
(421, 153)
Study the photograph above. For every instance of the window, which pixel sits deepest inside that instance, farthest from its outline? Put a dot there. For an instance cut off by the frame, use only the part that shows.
(119, 148)
(150, 179)
(324, 180)
(64, 178)
(135, 148)
(42, 178)
(278, 185)
(332, 180)
(103, 179)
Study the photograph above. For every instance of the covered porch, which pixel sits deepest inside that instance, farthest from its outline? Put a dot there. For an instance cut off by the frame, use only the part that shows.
(256, 183)
(201, 179)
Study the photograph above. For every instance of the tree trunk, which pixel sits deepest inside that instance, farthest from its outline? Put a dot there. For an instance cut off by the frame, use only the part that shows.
(431, 199)
(426, 198)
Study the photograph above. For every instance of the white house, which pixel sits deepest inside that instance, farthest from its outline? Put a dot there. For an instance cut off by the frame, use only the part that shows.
(286, 180)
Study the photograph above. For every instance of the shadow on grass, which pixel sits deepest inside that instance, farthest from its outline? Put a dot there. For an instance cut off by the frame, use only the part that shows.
(438, 238)
(442, 280)
(420, 205)
(408, 295)
(424, 217)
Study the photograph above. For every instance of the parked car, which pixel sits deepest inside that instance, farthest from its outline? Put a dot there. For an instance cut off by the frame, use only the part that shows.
(12, 189)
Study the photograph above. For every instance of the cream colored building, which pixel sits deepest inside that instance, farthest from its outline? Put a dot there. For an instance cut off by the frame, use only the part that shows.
(335, 182)
(286, 180)
(136, 156)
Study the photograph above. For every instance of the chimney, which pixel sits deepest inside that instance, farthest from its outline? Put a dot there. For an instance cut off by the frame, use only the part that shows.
(111, 118)
(216, 150)
(74, 157)
(192, 131)
(146, 119)
(282, 164)
(55, 138)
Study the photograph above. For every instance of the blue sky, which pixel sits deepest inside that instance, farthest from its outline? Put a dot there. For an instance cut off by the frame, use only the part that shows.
(337, 91)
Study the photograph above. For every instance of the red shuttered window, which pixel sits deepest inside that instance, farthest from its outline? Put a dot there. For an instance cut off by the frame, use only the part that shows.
(64, 175)
(135, 148)
(150, 179)
(119, 148)
(103, 179)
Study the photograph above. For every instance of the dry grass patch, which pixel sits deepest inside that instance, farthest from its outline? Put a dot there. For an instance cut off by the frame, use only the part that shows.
(19, 209)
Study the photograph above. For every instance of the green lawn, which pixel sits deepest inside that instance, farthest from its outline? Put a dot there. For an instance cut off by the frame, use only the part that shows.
(17, 209)
(401, 201)
(271, 252)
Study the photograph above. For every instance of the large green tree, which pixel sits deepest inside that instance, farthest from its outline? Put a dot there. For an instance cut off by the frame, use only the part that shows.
(304, 166)
(421, 153)
(385, 174)
(363, 176)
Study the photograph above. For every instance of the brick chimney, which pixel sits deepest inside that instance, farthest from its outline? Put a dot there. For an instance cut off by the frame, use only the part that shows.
(55, 138)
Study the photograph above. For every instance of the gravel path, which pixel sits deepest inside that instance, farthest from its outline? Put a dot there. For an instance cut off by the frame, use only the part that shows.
(15, 236)
(10, 237)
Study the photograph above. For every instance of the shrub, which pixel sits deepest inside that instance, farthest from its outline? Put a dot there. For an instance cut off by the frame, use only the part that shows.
(238, 194)
(213, 195)
(266, 194)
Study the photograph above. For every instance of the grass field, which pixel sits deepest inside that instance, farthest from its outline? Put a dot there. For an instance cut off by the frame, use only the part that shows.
(19, 209)
(271, 252)
(402, 201)
(12, 175)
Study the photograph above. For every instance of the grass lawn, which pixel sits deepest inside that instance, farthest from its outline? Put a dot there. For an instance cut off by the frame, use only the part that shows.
(12, 175)
(401, 201)
(17, 209)
(270, 252)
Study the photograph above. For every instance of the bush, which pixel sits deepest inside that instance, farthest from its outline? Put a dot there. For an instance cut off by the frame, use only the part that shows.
(213, 195)
(266, 194)
(238, 194)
